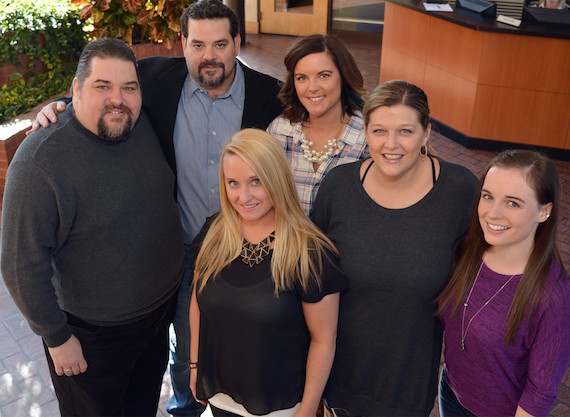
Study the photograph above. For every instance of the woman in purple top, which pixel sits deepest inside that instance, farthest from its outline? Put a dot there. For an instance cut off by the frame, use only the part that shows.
(506, 308)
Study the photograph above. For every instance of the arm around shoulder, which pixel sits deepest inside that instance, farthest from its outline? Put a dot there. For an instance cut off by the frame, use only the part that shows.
(48, 114)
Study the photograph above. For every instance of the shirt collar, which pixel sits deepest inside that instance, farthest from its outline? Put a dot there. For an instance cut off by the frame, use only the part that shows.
(354, 126)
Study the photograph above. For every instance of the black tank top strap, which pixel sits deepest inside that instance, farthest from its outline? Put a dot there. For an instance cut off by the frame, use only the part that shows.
(432, 171)
(366, 172)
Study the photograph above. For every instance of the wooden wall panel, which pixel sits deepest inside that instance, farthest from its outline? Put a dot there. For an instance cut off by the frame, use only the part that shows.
(296, 24)
(567, 146)
(396, 65)
(521, 116)
(489, 85)
(454, 49)
(451, 98)
(406, 31)
(529, 62)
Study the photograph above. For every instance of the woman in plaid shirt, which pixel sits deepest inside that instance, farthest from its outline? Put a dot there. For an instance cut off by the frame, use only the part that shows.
(321, 125)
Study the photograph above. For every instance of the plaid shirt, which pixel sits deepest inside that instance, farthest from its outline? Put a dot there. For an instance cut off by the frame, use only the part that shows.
(352, 147)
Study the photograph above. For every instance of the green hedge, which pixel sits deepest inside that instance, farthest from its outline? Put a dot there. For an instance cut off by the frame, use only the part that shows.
(46, 31)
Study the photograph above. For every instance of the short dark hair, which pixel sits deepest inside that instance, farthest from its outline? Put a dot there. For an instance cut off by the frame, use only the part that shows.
(352, 82)
(103, 48)
(209, 9)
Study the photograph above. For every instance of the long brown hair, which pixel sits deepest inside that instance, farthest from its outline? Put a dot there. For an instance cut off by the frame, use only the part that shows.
(542, 176)
(352, 82)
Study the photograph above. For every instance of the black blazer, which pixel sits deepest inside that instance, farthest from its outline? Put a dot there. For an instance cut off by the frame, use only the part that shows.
(162, 79)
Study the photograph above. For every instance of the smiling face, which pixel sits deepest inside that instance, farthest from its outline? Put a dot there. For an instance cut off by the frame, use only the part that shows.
(395, 136)
(245, 192)
(508, 210)
(318, 84)
(210, 53)
(109, 101)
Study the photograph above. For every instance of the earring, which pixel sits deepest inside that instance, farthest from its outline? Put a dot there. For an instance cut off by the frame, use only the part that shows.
(423, 151)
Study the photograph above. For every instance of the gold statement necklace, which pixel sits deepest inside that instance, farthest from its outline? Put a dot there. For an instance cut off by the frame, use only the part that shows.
(466, 304)
(252, 254)
(318, 157)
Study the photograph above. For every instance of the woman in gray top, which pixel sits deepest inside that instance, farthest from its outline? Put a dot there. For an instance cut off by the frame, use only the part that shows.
(396, 219)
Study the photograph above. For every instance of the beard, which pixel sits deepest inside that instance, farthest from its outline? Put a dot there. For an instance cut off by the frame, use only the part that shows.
(114, 133)
(211, 82)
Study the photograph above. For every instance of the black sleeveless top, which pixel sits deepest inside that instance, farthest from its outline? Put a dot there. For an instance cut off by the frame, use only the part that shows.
(432, 171)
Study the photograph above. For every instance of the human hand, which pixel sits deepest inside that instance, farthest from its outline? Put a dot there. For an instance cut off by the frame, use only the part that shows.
(68, 358)
(193, 379)
(47, 114)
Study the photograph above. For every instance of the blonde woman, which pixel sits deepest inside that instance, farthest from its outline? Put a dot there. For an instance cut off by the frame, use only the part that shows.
(266, 291)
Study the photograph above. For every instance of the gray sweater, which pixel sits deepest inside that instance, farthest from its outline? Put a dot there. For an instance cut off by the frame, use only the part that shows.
(397, 261)
(89, 227)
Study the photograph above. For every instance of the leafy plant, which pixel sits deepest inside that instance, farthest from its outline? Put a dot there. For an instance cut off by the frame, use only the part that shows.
(50, 32)
(135, 21)
(32, 32)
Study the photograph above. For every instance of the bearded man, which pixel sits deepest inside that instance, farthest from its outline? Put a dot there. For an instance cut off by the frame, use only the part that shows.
(196, 103)
(92, 244)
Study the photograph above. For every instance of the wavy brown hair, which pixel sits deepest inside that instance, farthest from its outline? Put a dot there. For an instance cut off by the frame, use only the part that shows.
(352, 82)
(542, 176)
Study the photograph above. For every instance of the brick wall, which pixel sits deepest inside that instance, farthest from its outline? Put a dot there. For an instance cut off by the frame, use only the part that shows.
(145, 50)
(7, 69)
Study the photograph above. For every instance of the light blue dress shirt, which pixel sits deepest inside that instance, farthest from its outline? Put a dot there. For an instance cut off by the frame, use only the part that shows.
(203, 126)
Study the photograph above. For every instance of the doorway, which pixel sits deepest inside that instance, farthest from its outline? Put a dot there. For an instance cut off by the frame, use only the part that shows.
(358, 16)
(293, 17)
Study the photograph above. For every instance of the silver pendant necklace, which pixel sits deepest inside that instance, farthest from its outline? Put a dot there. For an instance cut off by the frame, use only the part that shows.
(466, 304)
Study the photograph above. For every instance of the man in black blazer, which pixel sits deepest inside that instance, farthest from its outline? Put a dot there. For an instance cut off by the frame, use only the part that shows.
(162, 79)
(181, 96)
(211, 42)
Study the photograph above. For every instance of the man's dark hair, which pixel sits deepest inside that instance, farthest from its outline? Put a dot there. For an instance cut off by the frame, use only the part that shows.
(103, 48)
(209, 9)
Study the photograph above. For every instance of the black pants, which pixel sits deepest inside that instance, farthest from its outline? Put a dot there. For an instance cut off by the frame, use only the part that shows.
(126, 364)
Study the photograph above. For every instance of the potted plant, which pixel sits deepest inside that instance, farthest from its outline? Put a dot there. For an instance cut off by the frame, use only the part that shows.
(135, 21)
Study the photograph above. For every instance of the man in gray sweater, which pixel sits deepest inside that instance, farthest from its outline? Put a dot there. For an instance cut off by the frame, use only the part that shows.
(92, 246)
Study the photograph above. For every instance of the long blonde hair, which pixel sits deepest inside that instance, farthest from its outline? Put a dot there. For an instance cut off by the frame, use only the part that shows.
(299, 246)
